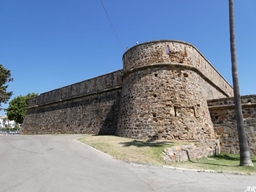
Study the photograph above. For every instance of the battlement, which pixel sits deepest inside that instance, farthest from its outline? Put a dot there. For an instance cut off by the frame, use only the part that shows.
(170, 53)
(88, 87)
(246, 100)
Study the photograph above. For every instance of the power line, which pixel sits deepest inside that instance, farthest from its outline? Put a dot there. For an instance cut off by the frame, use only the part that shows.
(112, 26)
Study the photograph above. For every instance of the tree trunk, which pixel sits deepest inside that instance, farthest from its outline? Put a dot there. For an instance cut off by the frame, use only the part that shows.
(245, 159)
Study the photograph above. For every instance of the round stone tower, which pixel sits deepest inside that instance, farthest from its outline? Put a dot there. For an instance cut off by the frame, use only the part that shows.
(166, 85)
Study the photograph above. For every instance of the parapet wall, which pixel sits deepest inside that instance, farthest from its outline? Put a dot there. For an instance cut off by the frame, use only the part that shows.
(181, 54)
(85, 88)
(90, 106)
(223, 116)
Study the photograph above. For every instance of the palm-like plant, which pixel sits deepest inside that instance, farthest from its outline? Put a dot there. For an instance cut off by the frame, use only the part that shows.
(245, 159)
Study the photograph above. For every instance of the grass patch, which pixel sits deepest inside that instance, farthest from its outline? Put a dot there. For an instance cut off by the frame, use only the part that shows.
(140, 151)
(222, 162)
(151, 152)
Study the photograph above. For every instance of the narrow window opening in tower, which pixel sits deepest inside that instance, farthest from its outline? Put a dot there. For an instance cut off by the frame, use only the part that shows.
(168, 50)
(195, 111)
(154, 95)
(154, 115)
(155, 74)
(175, 111)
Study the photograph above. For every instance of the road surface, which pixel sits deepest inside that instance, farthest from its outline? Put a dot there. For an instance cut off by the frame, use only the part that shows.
(59, 163)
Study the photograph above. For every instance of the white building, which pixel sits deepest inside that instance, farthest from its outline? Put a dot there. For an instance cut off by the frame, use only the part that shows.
(5, 122)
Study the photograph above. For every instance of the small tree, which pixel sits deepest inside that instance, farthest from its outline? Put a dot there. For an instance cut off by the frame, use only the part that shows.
(5, 77)
(18, 107)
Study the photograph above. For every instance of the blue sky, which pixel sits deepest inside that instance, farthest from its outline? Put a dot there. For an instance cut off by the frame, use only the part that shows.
(49, 44)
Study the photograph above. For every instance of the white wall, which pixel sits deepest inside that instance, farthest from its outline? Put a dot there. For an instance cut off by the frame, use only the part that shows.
(5, 123)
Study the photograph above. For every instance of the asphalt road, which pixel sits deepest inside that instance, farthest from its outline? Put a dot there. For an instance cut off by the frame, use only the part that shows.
(58, 163)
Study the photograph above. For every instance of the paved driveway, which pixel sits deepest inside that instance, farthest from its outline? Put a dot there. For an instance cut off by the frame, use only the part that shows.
(58, 163)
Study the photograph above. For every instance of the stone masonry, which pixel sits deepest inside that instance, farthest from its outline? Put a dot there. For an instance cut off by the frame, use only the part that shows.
(223, 117)
(86, 107)
(166, 85)
(166, 90)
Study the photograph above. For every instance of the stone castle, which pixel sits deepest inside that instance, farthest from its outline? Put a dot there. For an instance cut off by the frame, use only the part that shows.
(166, 90)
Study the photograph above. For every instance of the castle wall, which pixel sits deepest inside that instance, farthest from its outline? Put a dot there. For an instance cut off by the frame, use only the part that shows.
(166, 90)
(89, 106)
(223, 117)
(166, 85)
(161, 93)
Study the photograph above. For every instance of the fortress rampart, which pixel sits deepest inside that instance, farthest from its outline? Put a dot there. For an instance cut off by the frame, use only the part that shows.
(89, 106)
(166, 90)
(161, 93)
(223, 117)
